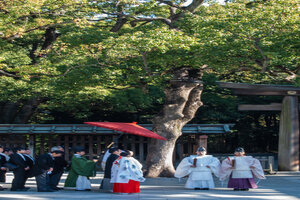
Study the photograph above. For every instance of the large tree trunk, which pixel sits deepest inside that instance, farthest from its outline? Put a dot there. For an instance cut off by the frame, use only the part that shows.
(183, 98)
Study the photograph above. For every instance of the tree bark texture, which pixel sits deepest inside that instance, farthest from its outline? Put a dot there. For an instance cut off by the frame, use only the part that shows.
(183, 98)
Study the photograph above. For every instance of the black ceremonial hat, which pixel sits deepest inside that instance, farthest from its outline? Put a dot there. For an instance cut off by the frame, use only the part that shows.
(78, 149)
(201, 149)
(239, 149)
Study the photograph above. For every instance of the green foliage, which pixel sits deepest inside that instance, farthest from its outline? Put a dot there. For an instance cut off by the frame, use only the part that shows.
(89, 72)
(257, 44)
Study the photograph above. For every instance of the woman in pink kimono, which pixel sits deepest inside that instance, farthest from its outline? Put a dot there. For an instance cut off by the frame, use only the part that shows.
(241, 170)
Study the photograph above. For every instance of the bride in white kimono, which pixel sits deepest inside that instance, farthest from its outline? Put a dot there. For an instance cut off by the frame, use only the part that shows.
(199, 168)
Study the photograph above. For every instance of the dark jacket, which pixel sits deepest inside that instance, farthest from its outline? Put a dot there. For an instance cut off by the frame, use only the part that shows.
(29, 161)
(59, 164)
(16, 159)
(2, 164)
(43, 163)
(109, 162)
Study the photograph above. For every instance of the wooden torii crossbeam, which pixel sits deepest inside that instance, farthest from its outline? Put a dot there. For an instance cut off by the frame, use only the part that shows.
(288, 145)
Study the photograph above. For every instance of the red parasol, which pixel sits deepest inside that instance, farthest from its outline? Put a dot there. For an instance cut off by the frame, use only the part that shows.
(131, 128)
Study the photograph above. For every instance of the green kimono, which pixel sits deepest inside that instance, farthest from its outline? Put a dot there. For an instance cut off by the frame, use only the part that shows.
(80, 166)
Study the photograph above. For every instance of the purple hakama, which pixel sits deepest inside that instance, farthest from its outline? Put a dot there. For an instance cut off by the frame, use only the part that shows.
(241, 183)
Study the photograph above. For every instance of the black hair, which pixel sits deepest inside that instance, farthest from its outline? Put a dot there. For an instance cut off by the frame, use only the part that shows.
(6, 150)
(19, 149)
(125, 153)
(78, 149)
(113, 149)
(239, 149)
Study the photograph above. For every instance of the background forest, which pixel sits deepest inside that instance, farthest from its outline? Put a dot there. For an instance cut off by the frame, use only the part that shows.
(66, 61)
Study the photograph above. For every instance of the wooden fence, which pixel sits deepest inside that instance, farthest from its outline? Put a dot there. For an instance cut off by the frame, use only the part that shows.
(95, 145)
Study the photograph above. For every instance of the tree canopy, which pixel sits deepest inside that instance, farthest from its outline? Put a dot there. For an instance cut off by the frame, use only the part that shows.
(67, 61)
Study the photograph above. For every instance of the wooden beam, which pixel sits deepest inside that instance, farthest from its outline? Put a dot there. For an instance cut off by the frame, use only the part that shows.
(257, 86)
(264, 92)
(270, 107)
(261, 89)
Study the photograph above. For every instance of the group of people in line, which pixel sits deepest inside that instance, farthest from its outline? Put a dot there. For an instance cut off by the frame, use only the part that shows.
(122, 172)
(47, 168)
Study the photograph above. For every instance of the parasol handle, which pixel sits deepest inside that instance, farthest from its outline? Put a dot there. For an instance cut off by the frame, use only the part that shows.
(110, 145)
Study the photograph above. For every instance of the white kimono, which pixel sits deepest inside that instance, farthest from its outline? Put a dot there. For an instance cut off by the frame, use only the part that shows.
(199, 176)
(126, 168)
(241, 168)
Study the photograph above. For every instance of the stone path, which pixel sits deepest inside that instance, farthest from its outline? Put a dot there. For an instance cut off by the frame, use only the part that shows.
(282, 186)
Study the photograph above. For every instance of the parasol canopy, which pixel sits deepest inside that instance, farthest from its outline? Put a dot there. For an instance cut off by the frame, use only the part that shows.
(131, 128)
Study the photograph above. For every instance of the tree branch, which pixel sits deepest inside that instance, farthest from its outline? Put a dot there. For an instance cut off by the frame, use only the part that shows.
(193, 103)
(148, 71)
(265, 61)
(8, 74)
(17, 35)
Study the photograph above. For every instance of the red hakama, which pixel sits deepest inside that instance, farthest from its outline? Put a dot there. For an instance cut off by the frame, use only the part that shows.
(130, 187)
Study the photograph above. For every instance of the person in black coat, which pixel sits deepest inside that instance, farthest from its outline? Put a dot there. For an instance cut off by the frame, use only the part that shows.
(59, 167)
(3, 169)
(4, 158)
(115, 154)
(30, 162)
(18, 159)
(41, 170)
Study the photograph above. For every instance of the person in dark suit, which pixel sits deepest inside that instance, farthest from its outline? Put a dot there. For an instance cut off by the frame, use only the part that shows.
(3, 169)
(19, 160)
(4, 158)
(30, 162)
(59, 166)
(115, 154)
(43, 167)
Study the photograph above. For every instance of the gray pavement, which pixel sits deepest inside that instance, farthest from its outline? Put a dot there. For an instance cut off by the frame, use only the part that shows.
(282, 186)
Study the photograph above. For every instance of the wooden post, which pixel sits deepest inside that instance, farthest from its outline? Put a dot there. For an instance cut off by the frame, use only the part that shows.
(197, 144)
(67, 149)
(91, 144)
(288, 148)
(99, 149)
(42, 147)
(31, 144)
(181, 150)
(141, 149)
(203, 141)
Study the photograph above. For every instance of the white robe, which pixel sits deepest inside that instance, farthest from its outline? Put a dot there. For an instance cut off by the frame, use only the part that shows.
(83, 183)
(125, 169)
(242, 168)
(199, 176)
